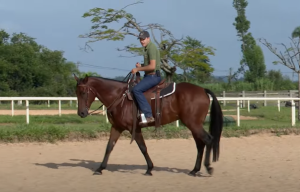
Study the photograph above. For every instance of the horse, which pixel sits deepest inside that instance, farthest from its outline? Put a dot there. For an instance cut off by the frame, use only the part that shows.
(184, 101)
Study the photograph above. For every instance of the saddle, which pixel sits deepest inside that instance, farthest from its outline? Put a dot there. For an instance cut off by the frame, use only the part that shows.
(155, 93)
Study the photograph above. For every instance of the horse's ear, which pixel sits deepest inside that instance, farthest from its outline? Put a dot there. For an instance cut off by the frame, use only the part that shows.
(85, 80)
(75, 77)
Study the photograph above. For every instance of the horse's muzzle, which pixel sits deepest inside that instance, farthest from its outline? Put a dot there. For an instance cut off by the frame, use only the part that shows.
(82, 114)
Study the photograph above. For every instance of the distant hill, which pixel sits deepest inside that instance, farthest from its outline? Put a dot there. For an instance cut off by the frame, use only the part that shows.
(225, 79)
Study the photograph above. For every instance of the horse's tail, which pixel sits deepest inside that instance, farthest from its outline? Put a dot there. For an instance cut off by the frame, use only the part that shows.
(216, 124)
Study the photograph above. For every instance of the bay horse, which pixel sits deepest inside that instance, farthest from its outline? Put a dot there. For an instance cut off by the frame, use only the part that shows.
(185, 101)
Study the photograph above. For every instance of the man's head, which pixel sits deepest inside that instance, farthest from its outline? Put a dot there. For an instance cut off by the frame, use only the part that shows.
(144, 38)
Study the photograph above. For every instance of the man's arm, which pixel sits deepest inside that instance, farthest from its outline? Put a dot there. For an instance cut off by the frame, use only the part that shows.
(149, 67)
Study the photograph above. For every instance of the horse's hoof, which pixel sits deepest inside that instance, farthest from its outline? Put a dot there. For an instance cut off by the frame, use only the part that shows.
(192, 173)
(210, 170)
(97, 173)
(148, 173)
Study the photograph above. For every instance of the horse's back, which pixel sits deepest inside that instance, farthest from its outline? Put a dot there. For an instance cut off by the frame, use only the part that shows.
(191, 98)
(191, 90)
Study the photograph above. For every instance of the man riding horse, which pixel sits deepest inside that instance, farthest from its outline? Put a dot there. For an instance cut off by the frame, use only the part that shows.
(151, 67)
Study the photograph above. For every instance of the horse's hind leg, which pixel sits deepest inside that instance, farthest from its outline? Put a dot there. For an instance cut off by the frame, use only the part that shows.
(114, 136)
(141, 143)
(201, 138)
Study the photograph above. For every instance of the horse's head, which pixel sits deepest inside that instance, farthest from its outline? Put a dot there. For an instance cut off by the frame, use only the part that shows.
(85, 95)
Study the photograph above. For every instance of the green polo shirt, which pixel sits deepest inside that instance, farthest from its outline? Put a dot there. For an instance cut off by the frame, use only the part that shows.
(151, 53)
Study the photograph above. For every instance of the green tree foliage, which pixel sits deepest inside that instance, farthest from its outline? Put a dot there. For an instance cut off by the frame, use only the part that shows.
(296, 32)
(253, 57)
(193, 58)
(280, 82)
(30, 69)
(255, 61)
(114, 25)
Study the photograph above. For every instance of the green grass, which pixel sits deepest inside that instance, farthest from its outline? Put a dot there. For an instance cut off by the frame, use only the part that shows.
(6, 105)
(54, 128)
(70, 127)
(51, 119)
(267, 113)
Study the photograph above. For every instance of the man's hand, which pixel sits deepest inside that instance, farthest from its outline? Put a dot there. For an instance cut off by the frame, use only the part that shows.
(134, 70)
(137, 65)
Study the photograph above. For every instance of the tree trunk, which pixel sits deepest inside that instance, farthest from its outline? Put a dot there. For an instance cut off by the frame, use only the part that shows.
(298, 95)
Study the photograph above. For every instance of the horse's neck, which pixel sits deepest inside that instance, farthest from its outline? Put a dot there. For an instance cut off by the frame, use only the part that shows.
(108, 90)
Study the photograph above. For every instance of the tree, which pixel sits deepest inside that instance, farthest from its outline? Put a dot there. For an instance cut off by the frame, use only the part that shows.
(193, 58)
(4, 36)
(252, 54)
(104, 28)
(255, 61)
(296, 32)
(30, 69)
(280, 82)
(290, 57)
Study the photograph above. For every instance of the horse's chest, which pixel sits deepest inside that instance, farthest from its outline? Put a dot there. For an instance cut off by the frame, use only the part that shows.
(121, 118)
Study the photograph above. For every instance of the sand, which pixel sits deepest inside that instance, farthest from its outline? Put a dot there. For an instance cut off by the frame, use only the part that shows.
(258, 163)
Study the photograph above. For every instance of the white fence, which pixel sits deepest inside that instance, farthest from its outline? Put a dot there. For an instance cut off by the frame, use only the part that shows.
(237, 99)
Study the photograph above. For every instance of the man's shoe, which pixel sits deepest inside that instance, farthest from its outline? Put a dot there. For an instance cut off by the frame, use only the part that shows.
(149, 120)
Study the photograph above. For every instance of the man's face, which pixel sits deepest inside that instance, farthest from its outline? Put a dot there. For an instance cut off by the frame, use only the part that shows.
(144, 42)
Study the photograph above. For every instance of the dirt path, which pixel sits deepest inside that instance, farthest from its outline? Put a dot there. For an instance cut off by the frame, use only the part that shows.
(252, 164)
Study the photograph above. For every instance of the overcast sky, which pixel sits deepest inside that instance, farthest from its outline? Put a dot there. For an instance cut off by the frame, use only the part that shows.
(58, 23)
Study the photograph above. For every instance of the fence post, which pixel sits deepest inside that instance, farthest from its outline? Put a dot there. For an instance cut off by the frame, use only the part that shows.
(27, 111)
(12, 107)
(105, 111)
(248, 105)
(265, 96)
(238, 112)
(224, 95)
(243, 95)
(278, 104)
(290, 93)
(59, 107)
(293, 113)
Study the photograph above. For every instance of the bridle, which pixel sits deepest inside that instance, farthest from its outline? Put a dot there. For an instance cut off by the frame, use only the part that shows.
(87, 92)
(121, 98)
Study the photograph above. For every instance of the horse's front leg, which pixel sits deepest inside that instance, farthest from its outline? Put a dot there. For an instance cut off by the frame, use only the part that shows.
(114, 136)
(141, 143)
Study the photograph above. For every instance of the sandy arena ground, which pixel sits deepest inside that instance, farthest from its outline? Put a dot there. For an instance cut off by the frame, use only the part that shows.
(260, 163)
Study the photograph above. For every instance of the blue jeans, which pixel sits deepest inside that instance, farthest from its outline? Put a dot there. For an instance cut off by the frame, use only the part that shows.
(146, 83)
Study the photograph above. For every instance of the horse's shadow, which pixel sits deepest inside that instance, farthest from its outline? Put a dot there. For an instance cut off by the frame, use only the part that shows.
(92, 165)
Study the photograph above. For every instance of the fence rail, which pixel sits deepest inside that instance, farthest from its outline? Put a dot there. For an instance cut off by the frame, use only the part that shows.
(238, 100)
(265, 94)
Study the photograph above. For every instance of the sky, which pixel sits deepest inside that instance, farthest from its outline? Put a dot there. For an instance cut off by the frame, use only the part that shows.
(57, 24)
